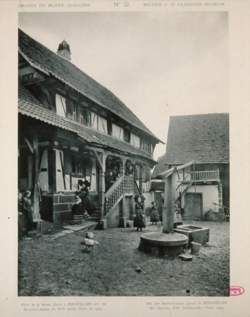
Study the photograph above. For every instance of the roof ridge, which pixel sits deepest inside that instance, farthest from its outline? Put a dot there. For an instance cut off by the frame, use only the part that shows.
(199, 114)
(102, 89)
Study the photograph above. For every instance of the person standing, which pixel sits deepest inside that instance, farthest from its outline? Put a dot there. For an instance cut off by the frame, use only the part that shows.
(139, 221)
(27, 209)
(177, 215)
(154, 215)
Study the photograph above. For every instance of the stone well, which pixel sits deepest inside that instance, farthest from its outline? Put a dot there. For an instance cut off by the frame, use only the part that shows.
(194, 233)
(162, 244)
(170, 242)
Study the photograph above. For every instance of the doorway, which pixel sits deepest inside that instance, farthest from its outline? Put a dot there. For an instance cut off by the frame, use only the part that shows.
(193, 206)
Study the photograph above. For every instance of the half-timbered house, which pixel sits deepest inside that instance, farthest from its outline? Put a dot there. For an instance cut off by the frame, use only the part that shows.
(71, 128)
(202, 186)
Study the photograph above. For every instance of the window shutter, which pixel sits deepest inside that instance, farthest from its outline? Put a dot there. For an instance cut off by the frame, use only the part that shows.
(60, 105)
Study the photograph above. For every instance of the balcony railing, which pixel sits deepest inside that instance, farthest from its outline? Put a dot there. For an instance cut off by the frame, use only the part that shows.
(205, 175)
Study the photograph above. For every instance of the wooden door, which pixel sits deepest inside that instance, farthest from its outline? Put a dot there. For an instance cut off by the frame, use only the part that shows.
(128, 207)
(193, 206)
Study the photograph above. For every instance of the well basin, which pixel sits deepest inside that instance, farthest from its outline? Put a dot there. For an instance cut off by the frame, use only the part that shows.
(194, 233)
(163, 244)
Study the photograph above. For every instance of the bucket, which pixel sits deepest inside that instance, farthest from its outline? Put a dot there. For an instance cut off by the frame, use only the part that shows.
(195, 248)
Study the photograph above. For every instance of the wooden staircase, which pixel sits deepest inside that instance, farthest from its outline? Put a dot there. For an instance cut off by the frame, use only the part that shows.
(183, 187)
(124, 185)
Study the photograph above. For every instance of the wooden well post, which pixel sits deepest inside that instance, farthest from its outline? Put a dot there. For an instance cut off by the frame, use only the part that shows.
(168, 208)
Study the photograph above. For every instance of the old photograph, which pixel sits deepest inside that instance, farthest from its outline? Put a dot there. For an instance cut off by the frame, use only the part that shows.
(123, 154)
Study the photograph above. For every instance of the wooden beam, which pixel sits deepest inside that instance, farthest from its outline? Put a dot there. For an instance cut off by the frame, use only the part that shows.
(100, 160)
(36, 196)
(168, 209)
(103, 184)
(29, 145)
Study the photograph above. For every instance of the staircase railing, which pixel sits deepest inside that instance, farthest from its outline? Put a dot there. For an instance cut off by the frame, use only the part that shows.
(113, 194)
(124, 185)
(137, 189)
(114, 186)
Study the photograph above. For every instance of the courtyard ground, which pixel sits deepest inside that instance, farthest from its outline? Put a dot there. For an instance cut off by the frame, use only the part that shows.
(116, 267)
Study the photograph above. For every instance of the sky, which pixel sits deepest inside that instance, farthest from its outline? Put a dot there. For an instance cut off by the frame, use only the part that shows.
(160, 64)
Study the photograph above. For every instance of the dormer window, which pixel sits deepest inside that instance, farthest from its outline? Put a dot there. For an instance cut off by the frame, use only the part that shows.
(60, 105)
(135, 140)
(117, 131)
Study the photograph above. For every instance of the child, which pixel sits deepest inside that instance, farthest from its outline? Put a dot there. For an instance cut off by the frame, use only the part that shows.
(139, 222)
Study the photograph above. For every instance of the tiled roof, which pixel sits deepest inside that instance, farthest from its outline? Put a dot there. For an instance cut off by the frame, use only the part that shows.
(201, 138)
(29, 106)
(49, 62)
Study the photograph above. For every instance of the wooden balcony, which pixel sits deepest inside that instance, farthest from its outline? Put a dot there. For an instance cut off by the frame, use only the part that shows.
(205, 176)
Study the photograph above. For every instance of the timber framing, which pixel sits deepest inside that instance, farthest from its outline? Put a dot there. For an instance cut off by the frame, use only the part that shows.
(71, 128)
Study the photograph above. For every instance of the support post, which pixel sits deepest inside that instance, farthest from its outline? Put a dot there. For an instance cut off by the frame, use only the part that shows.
(36, 196)
(102, 192)
(140, 178)
(168, 209)
(123, 167)
(102, 183)
(93, 174)
(101, 160)
(52, 170)
(30, 172)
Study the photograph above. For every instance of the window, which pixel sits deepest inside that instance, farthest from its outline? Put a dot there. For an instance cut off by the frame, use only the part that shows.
(135, 140)
(71, 110)
(146, 146)
(102, 125)
(109, 127)
(94, 120)
(60, 105)
(126, 135)
(117, 131)
(77, 166)
(99, 123)
(84, 116)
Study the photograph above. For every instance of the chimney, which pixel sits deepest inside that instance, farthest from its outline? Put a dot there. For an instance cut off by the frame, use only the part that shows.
(64, 50)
